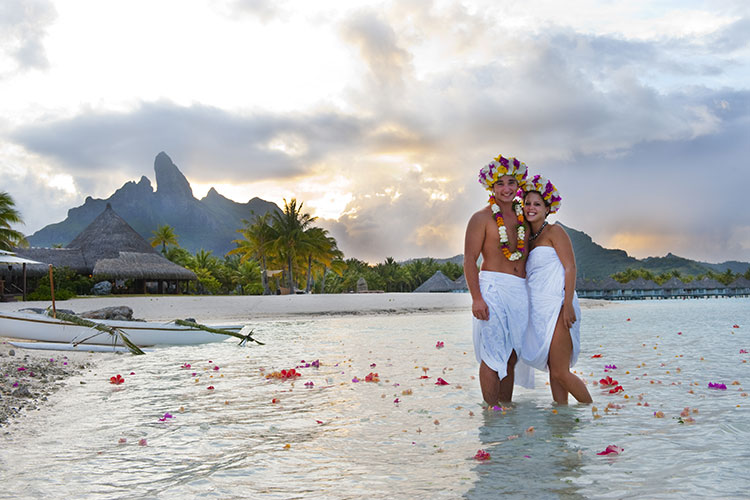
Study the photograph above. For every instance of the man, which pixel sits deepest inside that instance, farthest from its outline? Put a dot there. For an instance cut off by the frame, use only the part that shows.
(499, 300)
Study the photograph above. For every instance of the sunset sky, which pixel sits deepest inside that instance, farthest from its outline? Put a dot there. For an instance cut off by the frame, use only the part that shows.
(379, 115)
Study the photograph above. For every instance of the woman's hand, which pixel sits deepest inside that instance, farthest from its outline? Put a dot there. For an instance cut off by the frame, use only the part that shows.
(568, 315)
(480, 310)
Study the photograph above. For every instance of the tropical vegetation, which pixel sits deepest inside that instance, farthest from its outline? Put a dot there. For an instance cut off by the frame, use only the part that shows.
(10, 238)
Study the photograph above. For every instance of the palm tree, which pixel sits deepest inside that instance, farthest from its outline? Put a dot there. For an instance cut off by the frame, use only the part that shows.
(256, 242)
(10, 238)
(290, 226)
(320, 250)
(164, 235)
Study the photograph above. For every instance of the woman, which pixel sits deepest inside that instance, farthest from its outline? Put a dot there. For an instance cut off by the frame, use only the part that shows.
(553, 338)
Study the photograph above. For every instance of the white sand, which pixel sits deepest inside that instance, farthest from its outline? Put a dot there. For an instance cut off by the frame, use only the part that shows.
(212, 309)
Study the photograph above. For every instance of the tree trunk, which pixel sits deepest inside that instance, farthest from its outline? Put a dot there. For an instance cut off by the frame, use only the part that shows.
(323, 280)
(309, 274)
(264, 277)
(291, 276)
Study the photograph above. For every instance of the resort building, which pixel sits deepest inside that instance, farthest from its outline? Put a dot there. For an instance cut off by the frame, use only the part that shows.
(109, 249)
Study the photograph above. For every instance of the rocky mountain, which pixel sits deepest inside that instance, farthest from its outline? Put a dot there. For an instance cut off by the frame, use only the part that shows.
(209, 223)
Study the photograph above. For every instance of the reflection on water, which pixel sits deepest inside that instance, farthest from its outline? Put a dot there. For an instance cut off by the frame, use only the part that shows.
(250, 437)
(530, 452)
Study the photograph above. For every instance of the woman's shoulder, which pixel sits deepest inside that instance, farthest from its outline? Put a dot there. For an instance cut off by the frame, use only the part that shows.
(556, 232)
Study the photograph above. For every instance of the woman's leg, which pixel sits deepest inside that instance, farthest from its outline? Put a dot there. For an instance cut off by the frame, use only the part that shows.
(560, 351)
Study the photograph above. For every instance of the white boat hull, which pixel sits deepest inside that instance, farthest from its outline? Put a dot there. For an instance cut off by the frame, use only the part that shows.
(31, 326)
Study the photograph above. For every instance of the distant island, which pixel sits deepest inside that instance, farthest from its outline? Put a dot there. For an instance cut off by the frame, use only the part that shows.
(211, 224)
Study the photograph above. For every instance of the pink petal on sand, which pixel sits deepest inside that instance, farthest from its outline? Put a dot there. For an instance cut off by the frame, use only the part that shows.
(611, 450)
(440, 381)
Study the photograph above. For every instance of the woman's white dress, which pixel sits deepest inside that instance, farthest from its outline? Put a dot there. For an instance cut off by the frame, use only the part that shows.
(545, 280)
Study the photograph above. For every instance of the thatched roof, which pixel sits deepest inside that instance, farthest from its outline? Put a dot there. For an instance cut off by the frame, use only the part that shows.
(740, 282)
(438, 282)
(609, 284)
(673, 284)
(107, 236)
(641, 283)
(460, 283)
(108, 249)
(58, 257)
(134, 265)
(706, 283)
(585, 284)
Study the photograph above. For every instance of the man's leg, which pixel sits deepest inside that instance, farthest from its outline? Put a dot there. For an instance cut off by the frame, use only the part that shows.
(489, 383)
(506, 384)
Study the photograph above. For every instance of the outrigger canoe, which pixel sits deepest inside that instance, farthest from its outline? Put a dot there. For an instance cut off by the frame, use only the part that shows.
(43, 328)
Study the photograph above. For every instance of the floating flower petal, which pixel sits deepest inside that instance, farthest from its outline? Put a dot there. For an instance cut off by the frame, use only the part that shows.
(611, 450)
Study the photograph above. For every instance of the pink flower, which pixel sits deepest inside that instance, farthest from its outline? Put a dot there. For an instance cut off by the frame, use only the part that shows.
(142, 442)
(166, 417)
(210, 388)
(611, 450)
(186, 365)
(718, 386)
(439, 345)
(440, 381)
(117, 380)
(355, 380)
(616, 389)
(482, 456)
(309, 383)
(396, 400)
(372, 365)
(216, 367)
(743, 351)
(21, 369)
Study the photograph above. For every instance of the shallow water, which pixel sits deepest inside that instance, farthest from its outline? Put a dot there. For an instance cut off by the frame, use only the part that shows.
(345, 439)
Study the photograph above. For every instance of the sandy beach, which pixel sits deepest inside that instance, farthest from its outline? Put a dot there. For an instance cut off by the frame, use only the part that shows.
(28, 377)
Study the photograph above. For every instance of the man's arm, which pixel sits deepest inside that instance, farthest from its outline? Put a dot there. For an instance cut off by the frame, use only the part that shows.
(473, 243)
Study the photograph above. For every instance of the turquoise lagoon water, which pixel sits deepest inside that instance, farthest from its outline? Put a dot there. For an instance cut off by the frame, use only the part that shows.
(344, 439)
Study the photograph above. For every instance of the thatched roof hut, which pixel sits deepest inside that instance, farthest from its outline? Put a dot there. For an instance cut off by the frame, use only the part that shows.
(109, 248)
(147, 266)
(438, 282)
(673, 284)
(460, 283)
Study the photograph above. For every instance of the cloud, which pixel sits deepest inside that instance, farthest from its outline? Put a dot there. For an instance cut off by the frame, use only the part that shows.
(264, 10)
(23, 26)
(378, 46)
(632, 130)
(212, 143)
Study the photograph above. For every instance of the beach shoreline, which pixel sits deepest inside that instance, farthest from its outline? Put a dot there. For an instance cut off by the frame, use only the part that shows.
(21, 392)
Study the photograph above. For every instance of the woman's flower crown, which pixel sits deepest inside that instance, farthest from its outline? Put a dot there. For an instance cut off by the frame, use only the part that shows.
(489, 174)
(546, 189)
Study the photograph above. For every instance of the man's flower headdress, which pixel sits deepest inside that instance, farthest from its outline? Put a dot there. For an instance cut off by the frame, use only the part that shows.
(489, 174)
(544, 187)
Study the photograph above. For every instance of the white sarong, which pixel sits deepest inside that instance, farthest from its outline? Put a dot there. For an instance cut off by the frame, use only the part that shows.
(495, 339)
(545, 279)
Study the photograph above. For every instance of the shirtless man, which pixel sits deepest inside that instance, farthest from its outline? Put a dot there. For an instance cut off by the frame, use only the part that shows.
(498, 293)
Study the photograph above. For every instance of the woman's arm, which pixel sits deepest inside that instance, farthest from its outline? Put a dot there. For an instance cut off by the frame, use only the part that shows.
(564, 248)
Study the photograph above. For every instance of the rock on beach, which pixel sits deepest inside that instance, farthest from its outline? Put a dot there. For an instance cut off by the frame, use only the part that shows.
(27, 379)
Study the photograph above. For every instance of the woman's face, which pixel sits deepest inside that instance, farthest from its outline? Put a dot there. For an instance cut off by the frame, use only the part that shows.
(534, 209)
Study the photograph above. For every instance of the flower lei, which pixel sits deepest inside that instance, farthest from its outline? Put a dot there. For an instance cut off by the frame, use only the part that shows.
(521, 231)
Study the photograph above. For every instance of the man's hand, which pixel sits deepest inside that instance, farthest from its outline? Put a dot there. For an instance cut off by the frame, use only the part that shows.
(480, 310)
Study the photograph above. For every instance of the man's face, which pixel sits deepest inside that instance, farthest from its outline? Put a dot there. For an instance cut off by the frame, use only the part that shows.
(505, 188)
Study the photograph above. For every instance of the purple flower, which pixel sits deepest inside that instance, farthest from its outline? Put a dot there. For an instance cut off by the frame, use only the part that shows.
(717, 386)
(165, 417)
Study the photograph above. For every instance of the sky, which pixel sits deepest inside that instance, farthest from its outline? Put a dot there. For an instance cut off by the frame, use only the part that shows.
(378, 115)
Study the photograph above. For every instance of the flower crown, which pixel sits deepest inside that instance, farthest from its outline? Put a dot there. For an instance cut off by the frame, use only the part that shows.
(544, 187)
(489, 174)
